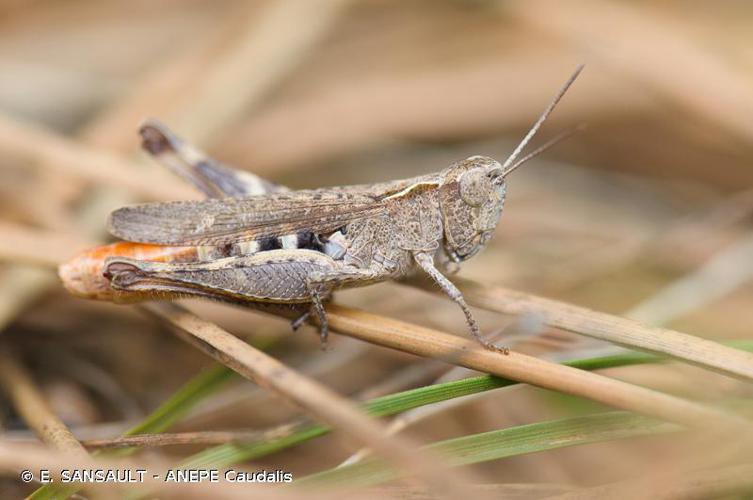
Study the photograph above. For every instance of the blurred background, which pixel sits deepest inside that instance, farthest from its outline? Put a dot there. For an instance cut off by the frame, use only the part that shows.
(645, 213)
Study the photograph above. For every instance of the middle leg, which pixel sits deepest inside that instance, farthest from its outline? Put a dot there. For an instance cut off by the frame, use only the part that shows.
(322, 284)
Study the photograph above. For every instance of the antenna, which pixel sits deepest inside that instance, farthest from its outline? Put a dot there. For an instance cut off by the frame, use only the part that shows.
(548, 144)
(537, 125)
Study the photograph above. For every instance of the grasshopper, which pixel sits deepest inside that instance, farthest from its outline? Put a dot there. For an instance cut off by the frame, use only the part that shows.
(257, 243)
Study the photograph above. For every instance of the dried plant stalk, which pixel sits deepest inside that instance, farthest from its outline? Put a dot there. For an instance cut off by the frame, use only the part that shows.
(713, 483)
(319, 401)
(21, 244)
(19, 286)
(616, 329)
(174, 438)
(612, 23)
(56, 152)
(32, 405)
(435, 344)
(255, 63)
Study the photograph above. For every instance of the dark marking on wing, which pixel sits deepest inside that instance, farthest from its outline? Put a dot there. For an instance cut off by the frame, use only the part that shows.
(310, 241)
(226, 250)
(266, 244)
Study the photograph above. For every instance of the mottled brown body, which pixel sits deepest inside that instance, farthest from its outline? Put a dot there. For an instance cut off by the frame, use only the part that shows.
(254, 242)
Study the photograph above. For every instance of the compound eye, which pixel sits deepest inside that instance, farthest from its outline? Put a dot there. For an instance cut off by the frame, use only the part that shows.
(473, 186)
(496, 176)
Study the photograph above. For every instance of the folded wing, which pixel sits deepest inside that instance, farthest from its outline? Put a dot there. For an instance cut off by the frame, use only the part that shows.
(228, 220)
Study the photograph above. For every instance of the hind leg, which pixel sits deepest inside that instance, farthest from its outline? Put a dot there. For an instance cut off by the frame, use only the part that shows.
(273, 277)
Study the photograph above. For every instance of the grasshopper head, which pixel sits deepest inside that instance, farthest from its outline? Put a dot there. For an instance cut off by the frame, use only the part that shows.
(472, 198)
(473, 191)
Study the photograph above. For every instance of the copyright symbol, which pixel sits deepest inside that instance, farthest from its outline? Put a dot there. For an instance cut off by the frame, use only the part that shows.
(27, 476)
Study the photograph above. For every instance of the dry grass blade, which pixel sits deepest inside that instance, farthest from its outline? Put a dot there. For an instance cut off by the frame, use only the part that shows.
(319, 401)
(432, 343)
(622, 331)
(54, 151)
(412, 376)
(724, 272)
(21, 244)
(32, 405)
(255, 63)
(521, 491)
(19, 286)
(415, 104)
(174, 438)
(221, 76)
(712, 483)
(610, 24)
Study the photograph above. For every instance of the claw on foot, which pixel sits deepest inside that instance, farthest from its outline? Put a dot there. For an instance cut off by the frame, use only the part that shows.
(323, 336)
(323, 330)
(300, 320)
(493, 347)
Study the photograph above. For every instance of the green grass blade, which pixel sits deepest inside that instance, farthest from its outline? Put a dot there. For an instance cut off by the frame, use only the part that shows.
(167, 414)
(182, 401)
(233, 453)
(514, 441)
(493, 445)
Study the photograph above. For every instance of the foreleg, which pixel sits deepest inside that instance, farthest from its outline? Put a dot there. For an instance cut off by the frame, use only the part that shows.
(426, 262)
